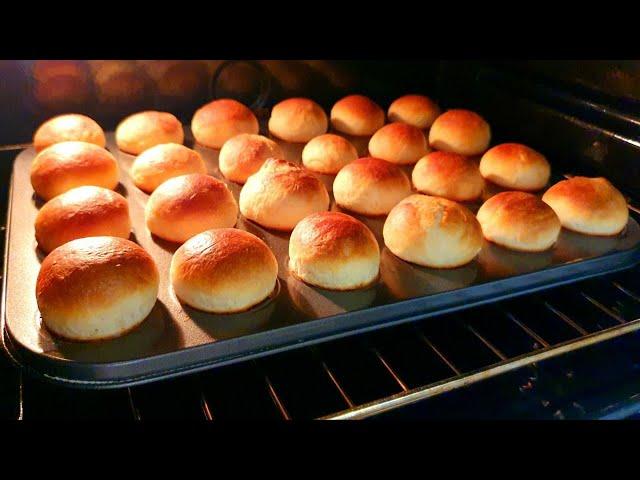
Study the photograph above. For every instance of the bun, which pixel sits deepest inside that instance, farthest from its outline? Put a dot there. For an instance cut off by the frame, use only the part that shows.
(96, 288)
(448, 175)
(370, 186)
(592, 206)
(399, 143)
(519, 221)
(82, 212)
(515, 166)
(70, 127)
(432, 232)
(67, 165)
(190, 204)
(328, 153)
(223, 271)
(160, 163)
(334, 251)
(297, 120)
(143, 130)
(416, 110)
(244, 154)
(281, 194)
(218, 121)
(460, 131)
(357, 115)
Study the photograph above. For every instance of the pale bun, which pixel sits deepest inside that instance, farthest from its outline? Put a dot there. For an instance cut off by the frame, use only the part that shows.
(96, 288)
(516, 167)
(328, 153)
(357, 115)
(416, 110)
(448, 175)
(71, 126)
(297, 120)
(399, 143)
(143, 130)
(243, 155)
(218, 121)
(460, 131)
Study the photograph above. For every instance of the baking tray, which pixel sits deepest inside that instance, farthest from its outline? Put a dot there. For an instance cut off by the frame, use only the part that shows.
(176, 339)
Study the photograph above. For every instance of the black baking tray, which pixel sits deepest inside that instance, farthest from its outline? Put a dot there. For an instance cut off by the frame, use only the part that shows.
(176, 339)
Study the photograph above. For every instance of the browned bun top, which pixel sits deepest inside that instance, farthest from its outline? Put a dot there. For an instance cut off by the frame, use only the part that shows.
(448, 175)
(243, 155)
(399, 143)
(72, 126)
(460, 131)
(515, 166)
(377, 169)
(520, 207)
(218, 121)
(88, 273)
(416, 110)
(297, 120)
(357, 115)
(328, 153)
(143, 130)
(67, 165)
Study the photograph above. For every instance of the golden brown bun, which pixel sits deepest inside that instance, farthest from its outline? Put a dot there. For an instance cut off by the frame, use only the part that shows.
(370, 186)
(334, 251)
(328, 153)
(399, 143)
(460, 131)
(519, 221)
(281, 194)
(297, 120)
(143, 130)
(416, 110)
(190, 204)
(223, 271)
(68, 127)
(96, 288)
(218, 121)
(588, 205)
(357, 115)
(432, 232)
(158, 164)
(82, 212)
(515, 166)
(243, 155)
(448, 175)
(67, 165)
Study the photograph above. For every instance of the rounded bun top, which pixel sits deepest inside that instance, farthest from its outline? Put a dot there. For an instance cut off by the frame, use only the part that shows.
(399, 143)
(416, 110)
(143, 130)
(520, 221)
(71, 126)
(158, 164)
(515, 166)
(448, 175)
(67, 165)
(460, 131)
(588, 205)
(218, 121)
(357, 115)
(243, 155)
(297, 120)
(328, 153)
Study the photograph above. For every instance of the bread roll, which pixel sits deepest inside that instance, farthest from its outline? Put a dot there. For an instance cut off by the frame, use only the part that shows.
(96, 288)
(460, 131)
(243, 155)
(143, 130)
(357, 115)
(370, 186)
(334, 251)
(399, 143)
(82, 212)
(328, 153)
(218, 121)
(223, 271)
(515, 166)
(68, 127)
(67, 165)
(588, 205)
(281, 194)
(432, 232)
(519, 221)
(297, 120)
(190, 204)
(416, 110)
(448, 175)
(158, 164)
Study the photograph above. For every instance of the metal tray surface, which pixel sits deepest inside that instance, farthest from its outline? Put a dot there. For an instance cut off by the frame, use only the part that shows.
(176, 339)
